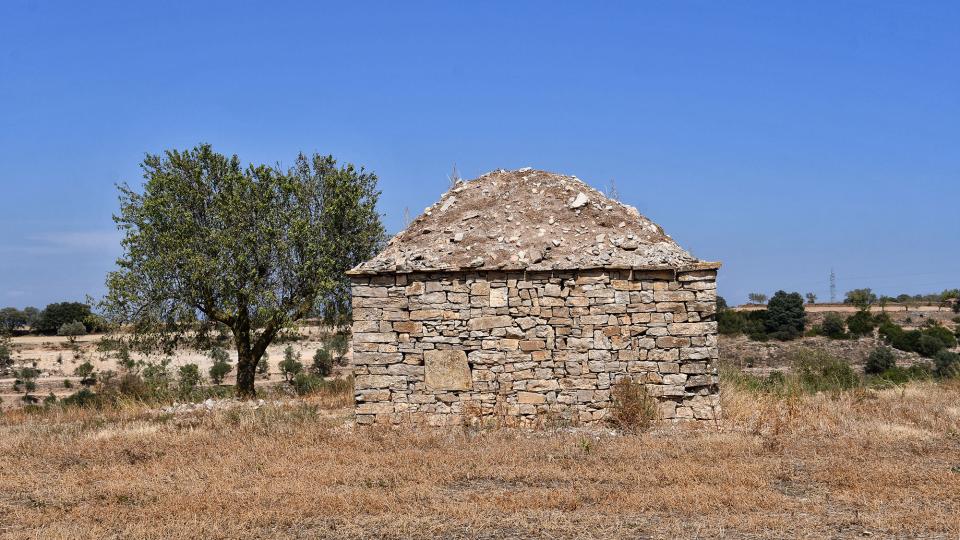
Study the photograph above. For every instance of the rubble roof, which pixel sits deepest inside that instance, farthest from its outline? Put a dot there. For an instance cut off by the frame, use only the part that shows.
(529, 220)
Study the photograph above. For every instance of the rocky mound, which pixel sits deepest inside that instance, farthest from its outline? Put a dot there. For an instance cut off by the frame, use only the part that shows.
(529, 220)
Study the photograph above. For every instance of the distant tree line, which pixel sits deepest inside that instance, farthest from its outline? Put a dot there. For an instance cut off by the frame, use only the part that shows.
(51, 320)
(784, 319)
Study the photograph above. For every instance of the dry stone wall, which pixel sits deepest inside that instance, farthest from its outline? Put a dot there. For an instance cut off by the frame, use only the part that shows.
(436, 347)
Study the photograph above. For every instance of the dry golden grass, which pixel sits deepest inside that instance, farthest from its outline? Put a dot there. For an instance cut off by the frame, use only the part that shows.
(809, 467)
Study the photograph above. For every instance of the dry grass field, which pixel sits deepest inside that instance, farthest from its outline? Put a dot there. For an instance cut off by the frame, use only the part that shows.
(879, 463)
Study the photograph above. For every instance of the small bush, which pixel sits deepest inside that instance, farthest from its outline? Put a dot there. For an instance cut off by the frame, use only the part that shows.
(860, 324)
(221, 365)
(633, 409)
(819, 371)
(945, 336)
(880, 359)
(338, 345)
(322, 362)
(85, 372)
(81, 398)
(72, 329)
(947, 364)
(188, 379)
(929, 345)
(899, 375)
(833, 326)
(218, 371)
(157, 378)
(290, 366)
(263, 366)
(6, 353)
(306, 383)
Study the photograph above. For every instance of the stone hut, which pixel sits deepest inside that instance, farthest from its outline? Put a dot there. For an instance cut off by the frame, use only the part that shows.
(524, 296)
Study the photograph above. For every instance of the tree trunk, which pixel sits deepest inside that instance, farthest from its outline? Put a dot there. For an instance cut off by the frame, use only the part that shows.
(246, 360)
(246, 372)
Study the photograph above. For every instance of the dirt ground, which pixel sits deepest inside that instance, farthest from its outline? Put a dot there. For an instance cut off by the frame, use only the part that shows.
(879, 464)
(56, 360)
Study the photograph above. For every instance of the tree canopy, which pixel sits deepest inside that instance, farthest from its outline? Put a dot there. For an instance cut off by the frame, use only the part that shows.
(253, 249)
(862, 298)
(785, 315)
(56, 315)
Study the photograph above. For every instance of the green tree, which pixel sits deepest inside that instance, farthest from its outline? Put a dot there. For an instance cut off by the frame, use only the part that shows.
(56, 315)
(947, 297)
(11, 318)
(757, 298)
(254, 249)
(862, 298)
(811, 298)
(33, 315)
(785, 316)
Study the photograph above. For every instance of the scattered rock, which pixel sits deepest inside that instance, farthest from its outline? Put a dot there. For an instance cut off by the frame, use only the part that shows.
(580, 201)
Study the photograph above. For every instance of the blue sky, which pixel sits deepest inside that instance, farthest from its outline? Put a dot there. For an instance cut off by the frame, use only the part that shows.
(780, 138)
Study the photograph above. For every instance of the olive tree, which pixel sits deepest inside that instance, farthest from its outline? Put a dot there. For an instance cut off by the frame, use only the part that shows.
(209, 243)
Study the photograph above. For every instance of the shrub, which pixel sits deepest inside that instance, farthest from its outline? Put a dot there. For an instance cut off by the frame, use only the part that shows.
(880, 359)
(730, 323)
(929, 345)
(306, 383)
(263, 366)
(81, 398)
(25, 378)
(72, 329)
(188, 379)
(945, 336)
(322, 362)
(6, 353)
(881, 319)
(633, 409)
(218, 354)
(785, 316)
(156, 377)
(860, 324)
(899, 375)
(947, 364)
(900, 339)
(833, 326)
(819, 371)
(338, 344)
(218, 371)
(221, 365)
(290, 366)
(54, 316)
(85, 372)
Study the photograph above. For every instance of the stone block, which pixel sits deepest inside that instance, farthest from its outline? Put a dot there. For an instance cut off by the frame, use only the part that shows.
(446, 370)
